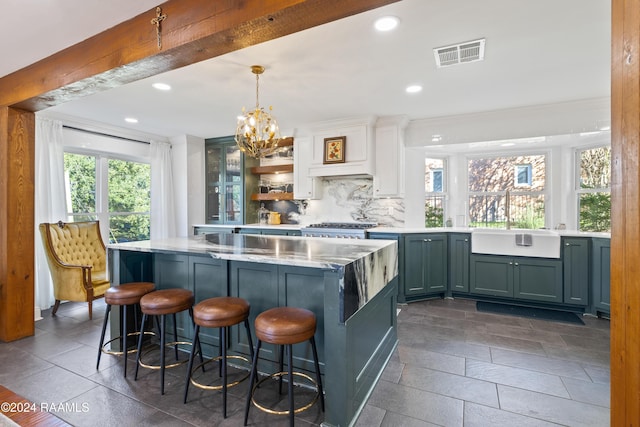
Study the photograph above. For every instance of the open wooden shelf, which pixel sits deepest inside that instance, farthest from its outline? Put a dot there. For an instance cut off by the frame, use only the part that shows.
(259, 170)
(272, 196)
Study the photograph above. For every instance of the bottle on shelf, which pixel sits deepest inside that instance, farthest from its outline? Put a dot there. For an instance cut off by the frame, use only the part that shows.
(263, 214)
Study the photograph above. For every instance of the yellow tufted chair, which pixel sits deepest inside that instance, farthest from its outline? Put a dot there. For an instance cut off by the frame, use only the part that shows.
(77, 260)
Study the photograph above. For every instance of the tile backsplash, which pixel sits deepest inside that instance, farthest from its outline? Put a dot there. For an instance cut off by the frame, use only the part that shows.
(344, 199)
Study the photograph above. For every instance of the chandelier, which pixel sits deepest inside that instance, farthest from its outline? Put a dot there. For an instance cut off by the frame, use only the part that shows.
(257, 133)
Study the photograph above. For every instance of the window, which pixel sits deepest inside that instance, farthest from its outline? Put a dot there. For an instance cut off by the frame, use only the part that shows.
(114, 191)
(436, 180)
(522, 175)
(593, 187)
(435, 193)
(492, 179)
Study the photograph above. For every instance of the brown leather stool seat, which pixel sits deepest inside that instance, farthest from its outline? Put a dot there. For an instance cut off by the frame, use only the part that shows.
(285, 326)
(167, 301)
(160, 303)
(123, 295)
(220, 312)
(128, 293)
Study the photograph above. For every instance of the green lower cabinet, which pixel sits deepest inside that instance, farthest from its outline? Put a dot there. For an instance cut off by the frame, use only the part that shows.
(244, 230)
(425, 264)
(516, 277)
(213, 272)
(601, 267)
(206, 229)
(459, 250)
(575, 262)
(491, 275)
(269, 231)
(171, 271)
(538, 279)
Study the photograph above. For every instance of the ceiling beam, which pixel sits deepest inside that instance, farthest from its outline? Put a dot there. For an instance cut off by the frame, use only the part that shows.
(193, 31)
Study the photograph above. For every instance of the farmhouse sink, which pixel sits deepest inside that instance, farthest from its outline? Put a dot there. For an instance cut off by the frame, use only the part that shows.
(530, 243)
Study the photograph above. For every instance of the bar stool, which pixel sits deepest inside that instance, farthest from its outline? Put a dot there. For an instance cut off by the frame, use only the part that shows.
(285, 326)
(124, 295)
(221, 313)
(160, 303)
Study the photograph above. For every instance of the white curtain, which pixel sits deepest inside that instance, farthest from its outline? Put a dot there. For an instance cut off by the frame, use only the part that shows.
(163, 219)
(50, 200)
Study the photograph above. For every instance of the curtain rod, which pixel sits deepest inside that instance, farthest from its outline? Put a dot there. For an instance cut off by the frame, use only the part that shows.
(105, 134)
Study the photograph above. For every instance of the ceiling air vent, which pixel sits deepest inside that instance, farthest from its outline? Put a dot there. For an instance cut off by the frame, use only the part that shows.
(459, 53)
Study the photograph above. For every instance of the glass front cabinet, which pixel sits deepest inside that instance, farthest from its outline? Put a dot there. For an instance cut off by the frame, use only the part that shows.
(229, 183)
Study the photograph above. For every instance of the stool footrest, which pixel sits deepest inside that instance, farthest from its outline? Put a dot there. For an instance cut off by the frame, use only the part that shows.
(173, 365)
(120, 353)
(285, 374)
(218, 387)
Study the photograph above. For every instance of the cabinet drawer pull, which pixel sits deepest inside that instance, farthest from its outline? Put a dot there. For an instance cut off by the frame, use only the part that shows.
(567, 244)
(426, 240)
(516, 264)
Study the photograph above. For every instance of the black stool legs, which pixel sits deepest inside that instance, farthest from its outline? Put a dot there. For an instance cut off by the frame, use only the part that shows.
(123, 336)
(162, 324)
(289, 350)
(223, 360)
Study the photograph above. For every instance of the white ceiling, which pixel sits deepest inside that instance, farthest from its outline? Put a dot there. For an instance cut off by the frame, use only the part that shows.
(537, 52)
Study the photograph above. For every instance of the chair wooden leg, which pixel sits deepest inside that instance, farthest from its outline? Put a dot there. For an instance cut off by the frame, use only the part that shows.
(55, 307)
(90, 309)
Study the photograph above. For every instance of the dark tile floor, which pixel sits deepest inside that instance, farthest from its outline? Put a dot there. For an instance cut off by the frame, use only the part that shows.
(454, 366)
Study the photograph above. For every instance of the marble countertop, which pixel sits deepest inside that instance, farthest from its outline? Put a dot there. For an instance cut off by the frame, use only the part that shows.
(308, 252)
(411, 230)
(415, 230)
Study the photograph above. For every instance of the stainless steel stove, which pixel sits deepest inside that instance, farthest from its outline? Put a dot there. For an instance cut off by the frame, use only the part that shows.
(345, 230)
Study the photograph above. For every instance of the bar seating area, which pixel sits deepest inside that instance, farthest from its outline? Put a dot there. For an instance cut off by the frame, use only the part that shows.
(162, 303)
(220, 313)
(125, 296)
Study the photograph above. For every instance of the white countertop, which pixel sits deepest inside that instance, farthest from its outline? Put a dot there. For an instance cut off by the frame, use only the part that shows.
(408, 230)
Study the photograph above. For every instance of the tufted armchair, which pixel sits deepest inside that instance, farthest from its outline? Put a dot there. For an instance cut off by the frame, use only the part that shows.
(77, 260)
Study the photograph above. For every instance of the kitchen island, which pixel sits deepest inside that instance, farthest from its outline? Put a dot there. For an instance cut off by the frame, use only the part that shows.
(350, 285)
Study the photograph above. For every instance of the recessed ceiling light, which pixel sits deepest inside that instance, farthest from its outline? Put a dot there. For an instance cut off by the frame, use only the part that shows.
(508, 144)
(436, 138)
(161, 86)
(414, 89)
(131, 120)
(386, 23)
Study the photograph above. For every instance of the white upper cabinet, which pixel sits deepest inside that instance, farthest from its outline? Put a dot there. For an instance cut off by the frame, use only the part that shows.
(304, 186)
(389, 177)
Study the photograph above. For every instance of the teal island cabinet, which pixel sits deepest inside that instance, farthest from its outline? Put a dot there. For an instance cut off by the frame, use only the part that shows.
(350, 285)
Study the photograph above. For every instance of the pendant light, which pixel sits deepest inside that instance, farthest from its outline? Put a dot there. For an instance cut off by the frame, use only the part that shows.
(257, 132)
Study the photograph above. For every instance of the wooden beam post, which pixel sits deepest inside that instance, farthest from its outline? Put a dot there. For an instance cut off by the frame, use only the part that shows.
(17, 159)
(625, 213)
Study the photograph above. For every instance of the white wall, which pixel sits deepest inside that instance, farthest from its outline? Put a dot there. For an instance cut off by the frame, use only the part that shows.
(188, 165)
(568, 119)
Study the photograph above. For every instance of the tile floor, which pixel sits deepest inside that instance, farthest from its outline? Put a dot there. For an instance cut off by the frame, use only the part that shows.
(454, 366)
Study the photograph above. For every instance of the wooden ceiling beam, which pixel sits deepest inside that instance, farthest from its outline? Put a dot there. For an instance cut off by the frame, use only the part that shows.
(193, 31)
